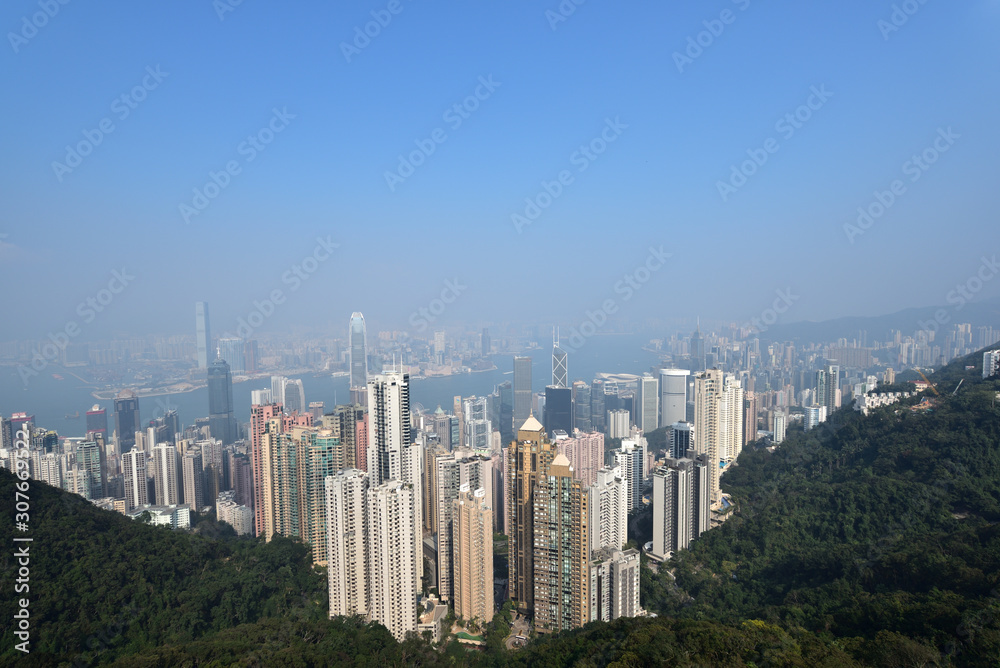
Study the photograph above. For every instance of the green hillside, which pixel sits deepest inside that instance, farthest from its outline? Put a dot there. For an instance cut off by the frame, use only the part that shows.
(881, 532)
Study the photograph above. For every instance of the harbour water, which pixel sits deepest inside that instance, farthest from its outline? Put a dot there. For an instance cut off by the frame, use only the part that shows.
(54, 401)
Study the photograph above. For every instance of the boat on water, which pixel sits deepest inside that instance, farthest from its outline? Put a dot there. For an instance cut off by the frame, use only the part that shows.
(74, 416)
(57, 376)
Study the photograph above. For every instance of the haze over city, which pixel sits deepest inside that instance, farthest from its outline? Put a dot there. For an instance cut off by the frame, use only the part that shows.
(346, 117)
(500, 334)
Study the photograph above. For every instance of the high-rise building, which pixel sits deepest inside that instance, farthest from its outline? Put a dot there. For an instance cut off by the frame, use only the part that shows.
(97, 421)
(780, 425)
(631, 459)
(251, 356)
(485, 345)
(681, 500)
(585, 453)
(673, 396)
(453, 471)
(90, 459)
(731, 420)
(680, 440)
(295, 396)
(347, 546)
(828, 387)
(504, 412)
(357, 335)
(349, 424)
(393, 560)
(476, 423)
(126, 419)
(203, 335)
(750, 409)
(522, 390)
(697, 348)
(473, 555)
(619, 423)
(528, 459)
(598, 418)
(391, 453)
(296, 462)
(166, 475)
(560, 367)
(278, 389)
(608, 509)
(614, 585)
(561, 549)
(317, 409)
(991, 363)
(221, 423)
(558, 409)
(194, 481)
(708, 437)
(232, 351)
(581, 407)
(647, 410)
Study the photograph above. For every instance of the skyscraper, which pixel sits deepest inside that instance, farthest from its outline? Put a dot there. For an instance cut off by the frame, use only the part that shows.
(586, 455)
(90, 459)
(522, 390)
(631, 459)
(680, 440)
(598, 417)
(485, 343)
(681, 503)
(233, 351)
(608, 510)
(673, 396)
(126, 419)
(221, 423)
(165, 475)
(708, 389)
(194, 481)
(347, 548)
(391, 453)
(393, 559)
(473, 555)
(97, 421)
(561, 549)
(780, 423)
(697, 348)
(581, 407)
(134, 470)
(560, 369)
(558, 409)
(203, 335)
(527, 459)
(357, 335)
(614, 585)
(453, 471)
(295, 396)
(647, 409)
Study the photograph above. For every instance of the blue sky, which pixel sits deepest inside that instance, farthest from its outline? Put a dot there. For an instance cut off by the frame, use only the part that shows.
(655, 185)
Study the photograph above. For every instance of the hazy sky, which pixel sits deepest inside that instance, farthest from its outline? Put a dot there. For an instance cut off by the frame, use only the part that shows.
(339, 109)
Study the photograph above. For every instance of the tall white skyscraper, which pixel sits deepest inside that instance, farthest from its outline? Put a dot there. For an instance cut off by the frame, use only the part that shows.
(347, 542)
(454, 471)
(165, 474)
(277, 390)
(357, 334)
(731, 420)
(393, 557)
(618, 423)
(194, 481)
(673, 396)
(134, 470)
(391, 454)
(608, 510)
(631, 459)
(708, 393)
(780, 425)
(648, 409)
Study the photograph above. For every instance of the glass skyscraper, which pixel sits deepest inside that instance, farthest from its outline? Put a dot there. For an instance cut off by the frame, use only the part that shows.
(204, 335)
(359, 351)
(220, 402)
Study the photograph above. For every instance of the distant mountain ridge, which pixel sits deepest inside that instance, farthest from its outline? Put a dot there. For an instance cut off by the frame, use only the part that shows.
(985, 312)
